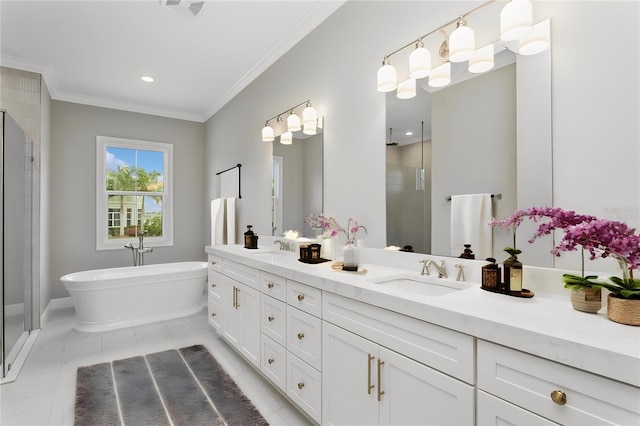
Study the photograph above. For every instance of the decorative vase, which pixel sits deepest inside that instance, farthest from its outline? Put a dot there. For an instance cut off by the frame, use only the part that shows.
(587, 299)
(351, 257)
(623, 311)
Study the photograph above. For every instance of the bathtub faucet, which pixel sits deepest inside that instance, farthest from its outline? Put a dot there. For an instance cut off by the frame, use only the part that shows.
(138, 252)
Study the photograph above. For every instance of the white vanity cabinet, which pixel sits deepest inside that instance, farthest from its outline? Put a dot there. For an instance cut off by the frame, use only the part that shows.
(528, 384)
(214, 286)
(241, 309)
(369, 379)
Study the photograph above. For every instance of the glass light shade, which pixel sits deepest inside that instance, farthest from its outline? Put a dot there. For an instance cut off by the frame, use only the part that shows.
(309, 116)
(462, 44)
(406, 89)
(387, 79)
(286, 138)
(309, 128)
(293, 122)
(515, 19)
(419, 63)
(535, 41)
(267, 134)
(482, 60)
(441, 75)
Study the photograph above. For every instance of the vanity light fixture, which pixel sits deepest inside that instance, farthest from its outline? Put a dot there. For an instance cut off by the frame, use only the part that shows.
(387, 77)
(516, 19)
(286, 138)
(535, 41)
(293, 122)
(406, 89)
(419, 61)
(515, 24)
(462, 42)
(309, 121)
(482, 60)
(440, 75)
(267, 133)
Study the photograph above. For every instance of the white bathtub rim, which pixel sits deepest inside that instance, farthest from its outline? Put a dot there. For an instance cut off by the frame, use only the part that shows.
(93, 327)
(77, 281)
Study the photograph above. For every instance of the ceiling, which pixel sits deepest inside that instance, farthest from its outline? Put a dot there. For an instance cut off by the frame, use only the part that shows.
(95, 52)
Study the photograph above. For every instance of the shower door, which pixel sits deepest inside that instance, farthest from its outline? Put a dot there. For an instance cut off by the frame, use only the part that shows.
(15, 229)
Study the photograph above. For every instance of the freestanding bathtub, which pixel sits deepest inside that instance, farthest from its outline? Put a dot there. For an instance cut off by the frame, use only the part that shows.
(108, 299)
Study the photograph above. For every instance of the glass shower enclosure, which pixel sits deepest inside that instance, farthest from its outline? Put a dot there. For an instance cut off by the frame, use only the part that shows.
(16, 232)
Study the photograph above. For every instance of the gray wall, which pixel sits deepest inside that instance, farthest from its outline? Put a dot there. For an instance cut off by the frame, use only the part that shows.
(72, 194)
(595, 125)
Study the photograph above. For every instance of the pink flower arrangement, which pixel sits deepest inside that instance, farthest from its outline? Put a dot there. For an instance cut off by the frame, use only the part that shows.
(600, 237)
(330, 227)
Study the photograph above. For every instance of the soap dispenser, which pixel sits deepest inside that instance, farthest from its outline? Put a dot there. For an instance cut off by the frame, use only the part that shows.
(512, 272)
(250, 239)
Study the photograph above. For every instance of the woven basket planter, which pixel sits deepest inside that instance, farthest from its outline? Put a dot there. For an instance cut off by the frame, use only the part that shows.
(624, 311)
(587, 300)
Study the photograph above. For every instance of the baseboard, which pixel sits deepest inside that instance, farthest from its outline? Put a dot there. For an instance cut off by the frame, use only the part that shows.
(60, 303)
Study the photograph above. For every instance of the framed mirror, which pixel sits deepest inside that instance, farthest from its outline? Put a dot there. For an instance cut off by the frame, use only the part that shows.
(297, 184)
(465, 138)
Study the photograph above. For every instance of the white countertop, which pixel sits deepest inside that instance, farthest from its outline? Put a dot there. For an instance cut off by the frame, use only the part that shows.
(545, 325)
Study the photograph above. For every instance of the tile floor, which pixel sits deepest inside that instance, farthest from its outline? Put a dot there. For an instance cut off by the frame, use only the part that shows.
(44, 392)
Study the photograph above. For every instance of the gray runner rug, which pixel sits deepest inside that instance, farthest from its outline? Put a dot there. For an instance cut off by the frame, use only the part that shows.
(181, 387)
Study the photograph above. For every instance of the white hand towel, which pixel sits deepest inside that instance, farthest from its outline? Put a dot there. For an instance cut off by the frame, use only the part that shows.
(217, 222)
(229, 184)
(470, 215)
(231, 220)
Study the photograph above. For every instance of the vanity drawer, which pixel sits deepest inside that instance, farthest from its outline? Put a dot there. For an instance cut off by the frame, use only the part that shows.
(529, 381)
(445, 350)
(304, 297)
(274, 285)
(273, 319)
(214, 282)
(304, 386)
(304, 336)
(273, 362)
(242, 273)
(215, 263)
(495, 411)
(215, 314)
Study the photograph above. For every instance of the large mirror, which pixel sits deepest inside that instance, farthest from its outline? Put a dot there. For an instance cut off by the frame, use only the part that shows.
(297, 189)
(469, 137)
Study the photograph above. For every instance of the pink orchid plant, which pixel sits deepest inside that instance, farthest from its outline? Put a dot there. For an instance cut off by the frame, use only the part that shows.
(600, 237)
(330, 227)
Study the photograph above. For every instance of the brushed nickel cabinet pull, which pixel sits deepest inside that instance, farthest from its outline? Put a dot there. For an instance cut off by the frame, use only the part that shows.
(234, 296)
(380, 391)
(270, 318)
(270, 285)
(213, 285)
(559, 397)
(300, 336)
(270, 361)
(300, 385)
(213, 314)
(237, 297)
(300, 297)
(369, 385)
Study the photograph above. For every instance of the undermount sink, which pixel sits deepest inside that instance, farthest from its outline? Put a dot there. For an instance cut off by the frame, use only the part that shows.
(421, 284)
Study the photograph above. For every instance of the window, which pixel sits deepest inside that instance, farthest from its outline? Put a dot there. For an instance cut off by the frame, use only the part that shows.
(133, 192)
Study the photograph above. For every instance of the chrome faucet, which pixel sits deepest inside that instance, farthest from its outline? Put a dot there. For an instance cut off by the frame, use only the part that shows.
(440, 269)
(283, 245)
(138, 252)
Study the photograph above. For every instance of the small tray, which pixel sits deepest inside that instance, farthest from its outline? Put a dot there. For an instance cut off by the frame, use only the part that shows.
(313, 261)
(337, 266)
(526, 294)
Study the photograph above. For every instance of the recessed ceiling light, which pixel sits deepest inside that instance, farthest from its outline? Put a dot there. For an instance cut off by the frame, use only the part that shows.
(147, 79)
(409, 133)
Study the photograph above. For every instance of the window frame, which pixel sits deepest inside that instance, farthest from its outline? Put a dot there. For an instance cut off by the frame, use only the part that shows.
(102, 194)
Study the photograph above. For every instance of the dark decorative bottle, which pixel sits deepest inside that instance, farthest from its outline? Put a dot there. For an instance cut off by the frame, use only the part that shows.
(250, 239)
(491, 275)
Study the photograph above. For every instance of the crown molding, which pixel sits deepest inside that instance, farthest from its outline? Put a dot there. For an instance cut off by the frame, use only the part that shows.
(321, 11)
